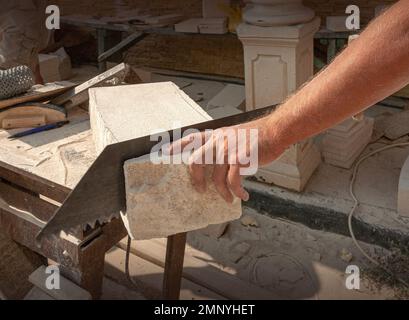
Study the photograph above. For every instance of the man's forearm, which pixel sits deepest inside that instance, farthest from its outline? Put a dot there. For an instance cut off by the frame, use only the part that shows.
(370, 69)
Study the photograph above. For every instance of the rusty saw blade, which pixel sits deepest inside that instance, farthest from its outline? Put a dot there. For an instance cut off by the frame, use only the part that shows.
(100, 194)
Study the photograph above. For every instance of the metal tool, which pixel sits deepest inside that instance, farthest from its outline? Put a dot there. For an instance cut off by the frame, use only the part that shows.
(100, 195)
(38, 129)
(15, 81)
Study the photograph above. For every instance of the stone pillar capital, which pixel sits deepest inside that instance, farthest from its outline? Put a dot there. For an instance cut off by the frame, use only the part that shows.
(267, 13)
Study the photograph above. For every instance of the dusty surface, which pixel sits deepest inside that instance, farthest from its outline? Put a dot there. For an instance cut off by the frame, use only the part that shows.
(294, 261)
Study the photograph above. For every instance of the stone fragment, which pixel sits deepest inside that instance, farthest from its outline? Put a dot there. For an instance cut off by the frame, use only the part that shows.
(345, 255)
(162, 202)
(215, 231)
(249, 221)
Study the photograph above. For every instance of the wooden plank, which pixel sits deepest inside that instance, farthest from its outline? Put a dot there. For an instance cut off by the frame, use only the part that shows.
(60, 100)
(88, 273)
(38, 94)
(87, 21)
(149, 277)
(23, 227)
(33, 182)
(175, 253)
(25, 201)
(28, 111)
(24, 122)
(123, 45)
(201, 272)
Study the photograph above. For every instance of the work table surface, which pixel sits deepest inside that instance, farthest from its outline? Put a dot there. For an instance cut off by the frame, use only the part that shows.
(60, 155)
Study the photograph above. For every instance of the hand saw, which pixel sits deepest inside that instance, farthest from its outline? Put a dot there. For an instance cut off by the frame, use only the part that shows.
(100, 195)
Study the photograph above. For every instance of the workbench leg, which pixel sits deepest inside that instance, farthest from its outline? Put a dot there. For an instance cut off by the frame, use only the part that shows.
(175, 254)
(101, 34)
(89, 273)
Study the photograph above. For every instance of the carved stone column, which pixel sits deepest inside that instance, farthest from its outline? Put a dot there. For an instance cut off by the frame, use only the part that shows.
(343, 144)
(279, 53)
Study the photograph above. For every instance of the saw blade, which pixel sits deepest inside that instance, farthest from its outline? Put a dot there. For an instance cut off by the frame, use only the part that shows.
(100, 195)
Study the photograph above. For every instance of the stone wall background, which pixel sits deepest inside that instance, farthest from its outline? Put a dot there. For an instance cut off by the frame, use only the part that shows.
(222, 55)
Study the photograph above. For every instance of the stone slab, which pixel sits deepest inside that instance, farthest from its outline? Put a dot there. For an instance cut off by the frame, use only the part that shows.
(127, 112)
(162, 202)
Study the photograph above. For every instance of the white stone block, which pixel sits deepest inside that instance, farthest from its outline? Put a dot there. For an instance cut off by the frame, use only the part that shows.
(403, 191)
(278, 60)
(49, 67)
(127, 112)
(162, 202)
(55, 66)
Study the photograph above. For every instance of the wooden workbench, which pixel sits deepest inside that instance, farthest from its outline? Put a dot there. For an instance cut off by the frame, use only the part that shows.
(36, 175)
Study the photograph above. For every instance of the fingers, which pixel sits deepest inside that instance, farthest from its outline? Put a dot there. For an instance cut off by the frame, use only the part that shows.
(234, 183)
(220, 181)
(197, 173)
(178, 146)
(197, 169)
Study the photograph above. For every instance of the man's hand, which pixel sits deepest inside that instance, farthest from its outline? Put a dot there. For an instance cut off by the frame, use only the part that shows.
(229, 152)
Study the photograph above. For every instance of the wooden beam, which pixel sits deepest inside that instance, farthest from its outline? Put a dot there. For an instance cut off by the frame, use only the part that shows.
(25, 201)
(33, 182)
(172, 279)
(60, 100)
(123, 45)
